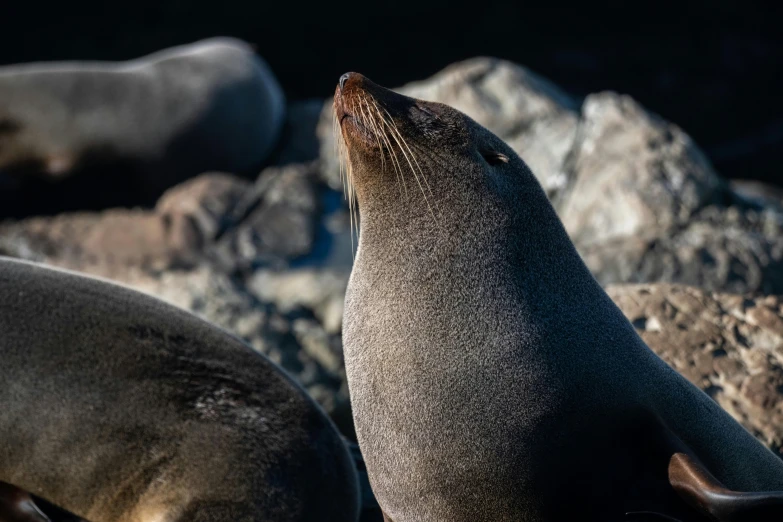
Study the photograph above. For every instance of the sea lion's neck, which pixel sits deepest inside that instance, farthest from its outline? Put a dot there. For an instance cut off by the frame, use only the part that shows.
(452, 243)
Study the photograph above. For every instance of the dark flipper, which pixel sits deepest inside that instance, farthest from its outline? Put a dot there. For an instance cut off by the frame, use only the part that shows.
(701, 490)
(16, 505)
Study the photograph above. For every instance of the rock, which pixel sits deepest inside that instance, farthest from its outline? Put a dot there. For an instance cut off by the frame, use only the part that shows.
(276, 220)
(632, 172)
(215, 216)
(105, 244)
(202, 206)
(321, 290)
(186, 219)
(531, 114)
(729, 345)
(719, 249)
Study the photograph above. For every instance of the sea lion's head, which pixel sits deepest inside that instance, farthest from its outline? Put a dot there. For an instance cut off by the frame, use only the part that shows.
(408, 159)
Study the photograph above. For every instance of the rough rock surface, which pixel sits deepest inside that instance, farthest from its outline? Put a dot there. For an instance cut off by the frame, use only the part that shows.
(109, 243)
(729, 345)
(720, 249)
(629, 172)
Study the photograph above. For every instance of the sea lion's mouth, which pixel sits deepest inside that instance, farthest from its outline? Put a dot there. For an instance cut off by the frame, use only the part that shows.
(347, 120)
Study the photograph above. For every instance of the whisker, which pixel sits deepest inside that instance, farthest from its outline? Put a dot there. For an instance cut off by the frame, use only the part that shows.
(392, 154)
(375, 130)
(395, 133)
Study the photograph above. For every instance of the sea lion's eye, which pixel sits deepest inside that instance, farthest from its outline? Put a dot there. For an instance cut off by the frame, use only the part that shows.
(494, 157)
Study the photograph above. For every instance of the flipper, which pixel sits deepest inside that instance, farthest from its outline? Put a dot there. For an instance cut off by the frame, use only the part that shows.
(16, 505)
(694, 484)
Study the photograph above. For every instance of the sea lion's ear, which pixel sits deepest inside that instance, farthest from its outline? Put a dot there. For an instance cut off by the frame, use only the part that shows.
(494, 157)
(694, 483)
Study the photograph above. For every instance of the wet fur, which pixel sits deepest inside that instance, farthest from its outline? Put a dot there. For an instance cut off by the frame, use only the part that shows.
(119, 407)
(491, 377)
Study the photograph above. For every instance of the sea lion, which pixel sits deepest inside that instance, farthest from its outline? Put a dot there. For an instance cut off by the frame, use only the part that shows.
(210, 105)
(121, 408)
(491, 377)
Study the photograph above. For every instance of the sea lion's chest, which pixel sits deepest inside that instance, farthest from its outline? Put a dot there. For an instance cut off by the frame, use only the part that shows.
(448, 390)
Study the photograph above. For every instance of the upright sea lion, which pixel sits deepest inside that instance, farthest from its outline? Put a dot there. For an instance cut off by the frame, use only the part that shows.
(211, 105)
(120, 408)
(491, 376)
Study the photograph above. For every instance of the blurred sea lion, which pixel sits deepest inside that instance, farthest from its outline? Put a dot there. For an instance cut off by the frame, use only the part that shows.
(118, 407)
(135, 128)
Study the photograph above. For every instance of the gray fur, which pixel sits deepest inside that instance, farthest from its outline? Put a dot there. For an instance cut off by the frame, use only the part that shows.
(120, 408)
(491, 377)
(211, 105)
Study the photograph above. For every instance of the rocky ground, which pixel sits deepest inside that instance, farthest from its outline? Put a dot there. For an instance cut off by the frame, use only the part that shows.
(693, 261)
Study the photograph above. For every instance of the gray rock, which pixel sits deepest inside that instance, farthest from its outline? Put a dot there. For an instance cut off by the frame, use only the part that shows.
(106, 243)
(321, 290)
(721, 249)
(186, 220)
(202, 206)
(729, 345)
(632, 172)
(275, 221)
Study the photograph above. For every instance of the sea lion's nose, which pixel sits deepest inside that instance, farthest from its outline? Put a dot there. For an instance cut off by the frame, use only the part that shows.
(344, 78)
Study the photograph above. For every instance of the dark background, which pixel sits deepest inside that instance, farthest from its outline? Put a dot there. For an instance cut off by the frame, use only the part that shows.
(713, 67)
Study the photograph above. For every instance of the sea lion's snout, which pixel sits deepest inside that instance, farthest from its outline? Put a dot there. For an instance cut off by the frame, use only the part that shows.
(350, 100)
(348, 81)
(339, 97)
(348, 86)
(365, 109)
